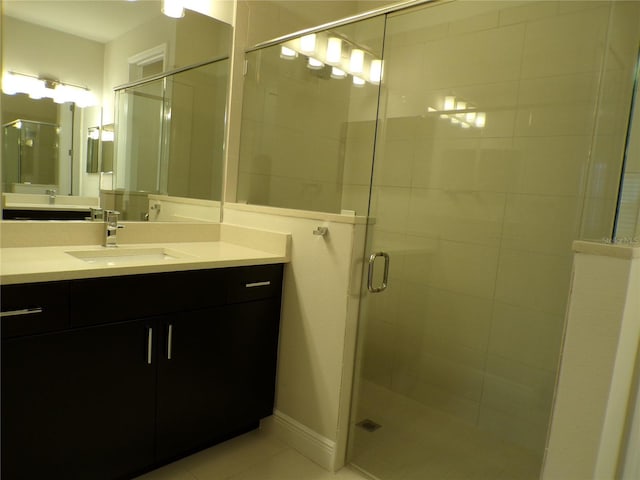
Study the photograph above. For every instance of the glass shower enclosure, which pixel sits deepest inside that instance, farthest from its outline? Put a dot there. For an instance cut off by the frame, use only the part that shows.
(169, 134)
(30, 155)
(492, 139)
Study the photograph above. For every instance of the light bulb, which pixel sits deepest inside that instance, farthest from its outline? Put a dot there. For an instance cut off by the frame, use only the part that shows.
(288, 53)
(449, 103)
(173, 8)
(357, 61)
(334, 50)
(308, 43)
(375, 71)
(314, 64)
(9, 83)
(337, 73)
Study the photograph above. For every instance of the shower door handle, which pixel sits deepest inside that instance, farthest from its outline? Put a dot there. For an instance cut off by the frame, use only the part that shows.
(385, 276)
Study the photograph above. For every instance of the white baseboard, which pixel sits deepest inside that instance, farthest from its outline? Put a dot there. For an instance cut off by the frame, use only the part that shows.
(301, 438)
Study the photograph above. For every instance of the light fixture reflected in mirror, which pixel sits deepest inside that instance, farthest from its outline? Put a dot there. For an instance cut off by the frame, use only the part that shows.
(334, 50)
(357, 60)
(288, 53)
(337, 73)
(308, 43)
(314, 64)
(375, 71)
(37, 88)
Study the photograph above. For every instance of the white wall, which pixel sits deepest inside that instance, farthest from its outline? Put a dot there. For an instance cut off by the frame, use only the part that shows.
(592, 414)
(35, 50)
(319, 318)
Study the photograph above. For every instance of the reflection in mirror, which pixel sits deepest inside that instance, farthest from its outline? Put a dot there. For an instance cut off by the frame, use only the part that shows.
(96, 46)
(36, 146)
(170, 137)
(107, 139)
(93, 148)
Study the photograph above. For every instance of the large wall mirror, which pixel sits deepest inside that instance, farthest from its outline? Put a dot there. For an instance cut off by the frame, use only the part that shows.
(63, 154)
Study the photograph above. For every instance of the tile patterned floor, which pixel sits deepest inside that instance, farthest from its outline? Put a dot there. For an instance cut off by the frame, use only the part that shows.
(253, 456)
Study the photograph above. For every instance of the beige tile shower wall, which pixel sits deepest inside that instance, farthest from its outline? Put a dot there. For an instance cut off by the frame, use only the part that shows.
(293, 140)
(258, 21)
(480, 222)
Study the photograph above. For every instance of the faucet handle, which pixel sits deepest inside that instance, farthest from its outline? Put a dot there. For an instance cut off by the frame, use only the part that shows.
(111, 216)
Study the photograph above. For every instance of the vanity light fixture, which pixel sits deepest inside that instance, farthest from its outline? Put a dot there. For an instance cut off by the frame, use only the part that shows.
(308, 43)
(38, 88)
(314, 64)
(288, 53)
(173, 8)
(334, 50)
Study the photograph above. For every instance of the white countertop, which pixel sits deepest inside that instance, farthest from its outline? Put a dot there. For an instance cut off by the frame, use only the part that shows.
(50, 263)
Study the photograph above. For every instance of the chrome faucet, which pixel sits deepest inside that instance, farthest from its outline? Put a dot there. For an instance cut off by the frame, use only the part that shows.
(52, 195)
(111, 228)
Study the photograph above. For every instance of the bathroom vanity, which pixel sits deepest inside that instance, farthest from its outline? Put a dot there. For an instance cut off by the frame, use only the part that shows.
(107, 374)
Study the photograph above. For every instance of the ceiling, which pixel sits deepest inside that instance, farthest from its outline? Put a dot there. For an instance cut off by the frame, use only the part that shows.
(97, 20)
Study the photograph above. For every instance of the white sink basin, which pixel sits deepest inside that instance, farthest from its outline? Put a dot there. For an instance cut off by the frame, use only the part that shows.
(127, 256)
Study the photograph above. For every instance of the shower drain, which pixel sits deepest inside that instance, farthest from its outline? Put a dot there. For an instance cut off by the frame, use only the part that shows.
(369, 425)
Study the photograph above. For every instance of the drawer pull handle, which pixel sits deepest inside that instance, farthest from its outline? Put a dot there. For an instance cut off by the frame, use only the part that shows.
(169, 341)
(258, 284)
(24, 311)
(149, 345)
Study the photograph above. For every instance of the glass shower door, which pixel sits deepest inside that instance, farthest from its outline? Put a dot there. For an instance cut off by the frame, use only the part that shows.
(483, 147)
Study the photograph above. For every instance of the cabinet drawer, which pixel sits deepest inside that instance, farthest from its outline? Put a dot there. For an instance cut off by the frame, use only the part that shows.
(34, 308)
(106, 300)
(98, 301)
(254, 283)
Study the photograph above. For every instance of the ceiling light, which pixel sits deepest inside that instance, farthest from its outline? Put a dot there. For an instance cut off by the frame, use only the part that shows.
(173, 8)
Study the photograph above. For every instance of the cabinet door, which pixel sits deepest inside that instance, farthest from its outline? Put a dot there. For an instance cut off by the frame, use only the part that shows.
(216, 377)
(78, 404)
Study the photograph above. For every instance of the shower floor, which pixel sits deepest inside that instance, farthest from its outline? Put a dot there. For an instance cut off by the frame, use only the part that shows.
(415, 442)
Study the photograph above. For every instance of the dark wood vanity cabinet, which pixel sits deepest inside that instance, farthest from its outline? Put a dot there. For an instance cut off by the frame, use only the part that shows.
(118, 388)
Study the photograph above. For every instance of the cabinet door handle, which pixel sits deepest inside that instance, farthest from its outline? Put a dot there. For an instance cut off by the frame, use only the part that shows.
(169, 341)
(258, 284)
(23, 311)
(149, 345)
